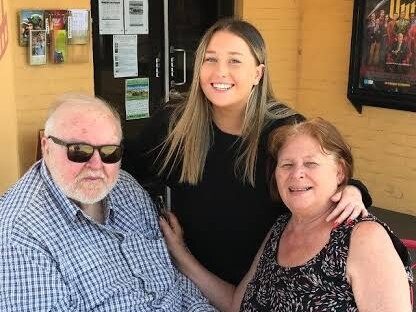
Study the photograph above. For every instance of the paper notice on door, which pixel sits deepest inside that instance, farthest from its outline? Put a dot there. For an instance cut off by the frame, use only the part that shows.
(110, 14)
(137, 98)
(125, 56)
(136, 16)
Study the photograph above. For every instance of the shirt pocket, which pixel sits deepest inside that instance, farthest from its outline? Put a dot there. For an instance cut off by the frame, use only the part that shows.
(150, 261)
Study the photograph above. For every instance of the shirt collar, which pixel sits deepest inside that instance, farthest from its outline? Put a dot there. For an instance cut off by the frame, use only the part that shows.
(72, 210)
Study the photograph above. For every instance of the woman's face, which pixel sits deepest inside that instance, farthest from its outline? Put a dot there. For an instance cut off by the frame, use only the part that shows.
(306, 177)
(228, 72)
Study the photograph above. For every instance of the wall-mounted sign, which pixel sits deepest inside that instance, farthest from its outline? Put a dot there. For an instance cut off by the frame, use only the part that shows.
(382, 59)
(125, 56)
(136, 17)
(59, 46)
(62, 28)
(37, 47)
(78, 26)
(30, 20)
(111, 20)
(117, 17)
(137, 98)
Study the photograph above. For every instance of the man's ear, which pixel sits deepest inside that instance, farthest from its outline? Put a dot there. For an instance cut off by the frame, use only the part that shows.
(44, 143)
(259, 74)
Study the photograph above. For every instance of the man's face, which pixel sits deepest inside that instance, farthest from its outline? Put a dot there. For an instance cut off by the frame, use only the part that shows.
(91, 181)
(400, 37)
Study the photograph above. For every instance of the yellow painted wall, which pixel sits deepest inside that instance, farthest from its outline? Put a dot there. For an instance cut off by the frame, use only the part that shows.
(308, 44)
(278, 21)
(9, 167)
(35, 87)
(383, 140)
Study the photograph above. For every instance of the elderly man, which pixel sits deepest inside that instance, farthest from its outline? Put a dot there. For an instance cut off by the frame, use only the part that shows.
(78, 233)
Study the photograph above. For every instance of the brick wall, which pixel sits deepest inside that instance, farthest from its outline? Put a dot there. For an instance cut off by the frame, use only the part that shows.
(36, 86)
(278, 21)
(9, 168)
(383, 140)
(308, 44)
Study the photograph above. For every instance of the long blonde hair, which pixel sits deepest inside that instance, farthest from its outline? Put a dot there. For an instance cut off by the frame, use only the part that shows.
(190, 130)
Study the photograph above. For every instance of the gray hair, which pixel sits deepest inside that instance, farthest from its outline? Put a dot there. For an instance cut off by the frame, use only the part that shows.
(79, 98)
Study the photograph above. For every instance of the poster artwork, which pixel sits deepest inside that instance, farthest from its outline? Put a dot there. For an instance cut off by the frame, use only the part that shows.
(29, 20)
(137, 98)
(388, 56)
(37, 47)
(58, 46)
(55, 20)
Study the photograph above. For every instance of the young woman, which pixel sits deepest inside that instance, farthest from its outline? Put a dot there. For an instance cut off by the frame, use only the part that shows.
(210, 149)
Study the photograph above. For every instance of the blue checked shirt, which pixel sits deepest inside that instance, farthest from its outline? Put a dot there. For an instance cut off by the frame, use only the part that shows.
(55, 258)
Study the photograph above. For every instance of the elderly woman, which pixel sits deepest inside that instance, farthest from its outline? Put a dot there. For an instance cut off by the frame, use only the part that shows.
(304, 264)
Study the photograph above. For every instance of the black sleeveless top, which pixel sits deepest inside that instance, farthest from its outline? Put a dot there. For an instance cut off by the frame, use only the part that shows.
(318, 285)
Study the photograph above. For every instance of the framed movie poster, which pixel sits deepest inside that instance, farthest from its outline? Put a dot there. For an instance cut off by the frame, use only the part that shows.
(383, 54)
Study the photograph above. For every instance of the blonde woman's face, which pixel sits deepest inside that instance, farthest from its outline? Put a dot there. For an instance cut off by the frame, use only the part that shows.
(229, 72)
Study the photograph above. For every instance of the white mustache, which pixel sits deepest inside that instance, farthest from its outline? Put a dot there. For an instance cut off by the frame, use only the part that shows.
(91, 174)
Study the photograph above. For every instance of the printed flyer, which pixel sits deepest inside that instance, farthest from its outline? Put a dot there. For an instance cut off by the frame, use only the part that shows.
(137, 98)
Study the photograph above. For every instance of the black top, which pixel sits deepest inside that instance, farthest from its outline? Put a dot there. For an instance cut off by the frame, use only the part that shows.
(224, 219)
(318, 285)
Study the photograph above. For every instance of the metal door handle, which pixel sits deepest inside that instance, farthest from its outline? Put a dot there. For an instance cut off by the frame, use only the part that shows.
(157, 67)
(173, 50)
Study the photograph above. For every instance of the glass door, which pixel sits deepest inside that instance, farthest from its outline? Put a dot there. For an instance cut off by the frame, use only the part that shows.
(150, 57)
(188, 20)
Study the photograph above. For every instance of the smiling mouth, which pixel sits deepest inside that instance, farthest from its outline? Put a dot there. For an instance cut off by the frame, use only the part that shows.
(299, 189)
(222, 86)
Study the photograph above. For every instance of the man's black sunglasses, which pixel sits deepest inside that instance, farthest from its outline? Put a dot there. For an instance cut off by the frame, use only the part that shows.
(82, 152)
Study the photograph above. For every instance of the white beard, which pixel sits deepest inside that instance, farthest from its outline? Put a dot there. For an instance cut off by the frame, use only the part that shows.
(82, 191)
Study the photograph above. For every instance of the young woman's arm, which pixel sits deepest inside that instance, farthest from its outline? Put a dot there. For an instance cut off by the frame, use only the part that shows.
(223, 295)
(351, 202)
(376, 272)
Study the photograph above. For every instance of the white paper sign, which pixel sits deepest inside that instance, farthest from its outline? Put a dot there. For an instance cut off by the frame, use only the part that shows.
(125, 56)
(137, 98)
(111, 20)
(136, 15)
(78, 25)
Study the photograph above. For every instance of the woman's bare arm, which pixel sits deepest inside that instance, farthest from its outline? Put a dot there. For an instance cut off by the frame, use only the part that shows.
(376, 272)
